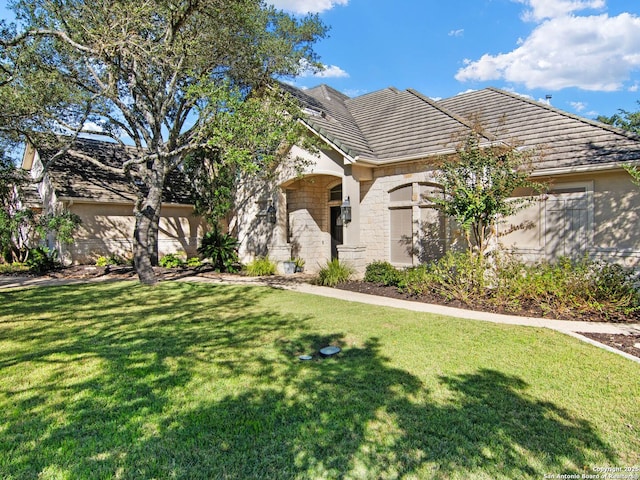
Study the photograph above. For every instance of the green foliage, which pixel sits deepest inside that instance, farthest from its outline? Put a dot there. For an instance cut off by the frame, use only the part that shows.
(104, 261)
(299, 263)
(416, 280)
(63, 225)
(221, 248)
(382, 273)
(193, 262)
(624, 119)
(21, 228)
(580, 286)
(629, 121)
(333, 273)
(16, 267)
(171, 260)
(457, 275)
(42, 259)
(261, 266)
(478, 186)
(634, 172)
(172, 76)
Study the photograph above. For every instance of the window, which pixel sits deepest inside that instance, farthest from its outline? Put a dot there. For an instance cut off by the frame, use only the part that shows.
(335, 194)
(568, 214)
(417, 229)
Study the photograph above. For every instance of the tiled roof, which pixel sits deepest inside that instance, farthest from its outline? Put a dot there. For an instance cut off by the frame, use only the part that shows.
(75, 177)
(562, 139)
(390, 125)
(382, 126)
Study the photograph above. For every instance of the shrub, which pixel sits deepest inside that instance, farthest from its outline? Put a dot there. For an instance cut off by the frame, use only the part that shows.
(194, 262)
(382, 273)
(334, 273)
(582, 285)
(261, 266)
(103, 261)
(42, 259)
(458, 275)
(15, 267)
(299, 262)
(171, 260)
(221, 248)
(416, 280)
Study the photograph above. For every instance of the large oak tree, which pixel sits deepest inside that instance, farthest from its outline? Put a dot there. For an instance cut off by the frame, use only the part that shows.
(168, 76)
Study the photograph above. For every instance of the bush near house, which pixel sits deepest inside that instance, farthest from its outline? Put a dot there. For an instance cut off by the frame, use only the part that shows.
(583, 286)
(260, 267)
(333, 273)
(221, 248)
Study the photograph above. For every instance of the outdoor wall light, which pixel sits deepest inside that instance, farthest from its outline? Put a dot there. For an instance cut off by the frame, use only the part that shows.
(271, 214)
(345, 211)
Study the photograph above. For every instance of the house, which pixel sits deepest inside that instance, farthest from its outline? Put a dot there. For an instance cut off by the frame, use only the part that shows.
(379, 157)
(104, 202)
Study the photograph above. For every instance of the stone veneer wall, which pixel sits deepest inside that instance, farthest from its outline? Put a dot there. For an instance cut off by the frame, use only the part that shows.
(309, 229)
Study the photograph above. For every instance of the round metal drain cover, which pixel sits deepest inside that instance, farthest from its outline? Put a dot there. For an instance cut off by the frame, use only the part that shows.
(329, 351)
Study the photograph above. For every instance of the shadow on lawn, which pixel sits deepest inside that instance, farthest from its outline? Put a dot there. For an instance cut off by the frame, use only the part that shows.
(350, 416)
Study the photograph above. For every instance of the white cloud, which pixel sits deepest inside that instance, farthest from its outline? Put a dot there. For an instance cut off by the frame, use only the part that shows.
(332, 71)
(306, 6)
(327, 71)
(595, 52)
(578, 106)
(456, 33)
(540, 9)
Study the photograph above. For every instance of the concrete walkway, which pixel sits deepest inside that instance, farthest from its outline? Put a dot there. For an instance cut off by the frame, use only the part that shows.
(291, 283)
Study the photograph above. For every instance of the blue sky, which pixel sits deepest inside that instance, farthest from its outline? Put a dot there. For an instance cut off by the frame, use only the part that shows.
(584, 53)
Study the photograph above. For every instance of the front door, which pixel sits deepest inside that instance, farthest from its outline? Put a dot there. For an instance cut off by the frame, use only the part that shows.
(336, 231)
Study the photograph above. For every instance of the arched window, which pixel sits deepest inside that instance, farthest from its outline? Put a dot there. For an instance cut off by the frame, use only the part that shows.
(417, 228)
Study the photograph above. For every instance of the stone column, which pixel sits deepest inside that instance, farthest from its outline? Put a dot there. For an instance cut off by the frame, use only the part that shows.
(279, 249)
(352, 252)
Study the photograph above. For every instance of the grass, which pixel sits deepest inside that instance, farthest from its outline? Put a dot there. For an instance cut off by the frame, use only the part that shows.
(191, 381)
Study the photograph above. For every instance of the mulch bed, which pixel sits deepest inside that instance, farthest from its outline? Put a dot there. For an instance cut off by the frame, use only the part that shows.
(627, 343)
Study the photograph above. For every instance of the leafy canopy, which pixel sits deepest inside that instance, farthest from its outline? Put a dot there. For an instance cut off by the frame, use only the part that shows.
(629, 121)
(161, 74)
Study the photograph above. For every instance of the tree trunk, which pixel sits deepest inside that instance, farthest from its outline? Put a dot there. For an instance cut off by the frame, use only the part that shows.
(145, 235)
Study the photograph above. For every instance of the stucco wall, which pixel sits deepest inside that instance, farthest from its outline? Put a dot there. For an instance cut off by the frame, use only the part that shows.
(613, 227)
(108, 230)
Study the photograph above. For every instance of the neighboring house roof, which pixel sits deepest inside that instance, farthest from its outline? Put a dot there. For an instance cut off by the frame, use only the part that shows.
(74, 177)
(392, 125)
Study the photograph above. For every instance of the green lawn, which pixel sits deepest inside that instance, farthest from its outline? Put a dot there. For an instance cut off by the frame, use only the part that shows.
(191, 381)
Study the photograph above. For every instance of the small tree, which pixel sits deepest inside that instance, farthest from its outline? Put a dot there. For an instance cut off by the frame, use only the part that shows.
(478, 186)
(21, 228)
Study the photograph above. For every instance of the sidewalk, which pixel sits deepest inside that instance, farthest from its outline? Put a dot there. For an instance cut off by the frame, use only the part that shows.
(567, 327)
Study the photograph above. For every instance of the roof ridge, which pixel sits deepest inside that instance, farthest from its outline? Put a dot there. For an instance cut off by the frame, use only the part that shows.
(551, 108)
(489, 136)
(326, 96)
